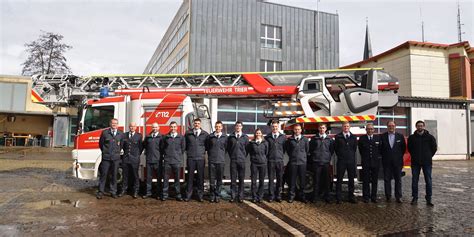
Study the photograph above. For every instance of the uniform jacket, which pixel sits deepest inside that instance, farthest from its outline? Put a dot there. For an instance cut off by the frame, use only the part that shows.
(195, 146)
(258, 152)
(216, 148)
(236, 147)
(422, 148)
(345, 148)
(297, 150)
(370, 151)
(111, 145)
(153, 148)
(173, 149)
(321, 150)
(393, 155)
(132, 148)
(276, 147)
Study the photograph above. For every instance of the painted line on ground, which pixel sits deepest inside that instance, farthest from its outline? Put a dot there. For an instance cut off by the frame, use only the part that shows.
(275, 219)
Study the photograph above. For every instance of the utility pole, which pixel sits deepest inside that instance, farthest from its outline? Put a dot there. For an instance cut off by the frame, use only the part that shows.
(318, 57)
(459, 24)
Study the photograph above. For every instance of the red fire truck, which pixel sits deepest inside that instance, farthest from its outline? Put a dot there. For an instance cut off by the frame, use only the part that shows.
(305, 97)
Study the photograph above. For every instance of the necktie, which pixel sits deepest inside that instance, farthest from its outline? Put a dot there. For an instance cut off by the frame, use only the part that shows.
(196, 133)
(274, 136)
(131, 135)
(238, 135)
(113, 132)
(297, 138)
(347, 136)
(370, 138)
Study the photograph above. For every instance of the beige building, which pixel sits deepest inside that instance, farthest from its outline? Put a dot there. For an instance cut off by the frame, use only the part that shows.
(436, 82)
(428, 69)
(22, 120)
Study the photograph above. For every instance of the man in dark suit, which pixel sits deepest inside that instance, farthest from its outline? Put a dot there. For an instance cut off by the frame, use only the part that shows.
(110, 144)
(173, 149)
(393, 148)
(321, 149)
(216, 148)
(345, 148)
(132, 149)
(195, 151)
(369, 149)
(297, 147)
(276, 142)
(236, 147)
(422, 147)
(154, 159)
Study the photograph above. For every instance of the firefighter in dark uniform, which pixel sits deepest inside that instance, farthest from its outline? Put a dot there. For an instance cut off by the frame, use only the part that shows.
(369, 149)
(393, 149)
(110, 144)
(132, 149)
(258, 151)
(216, 149)
(173, 148)
(154, 159)
(321, 149)
(345, 147)
(297, 147)
(195, 151)
(276, 143)
(236, 147)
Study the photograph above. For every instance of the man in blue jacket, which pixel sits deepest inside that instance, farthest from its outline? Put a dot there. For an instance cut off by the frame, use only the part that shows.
(276, 142)
(422, 147)
(173, 149)
(110, 144)
(216, 149)
(369, 149)
(321, 149)
(132, 149)
(345, 147)
(297, 147)
(236, 147)
(393, 149)
(195, 151)
(154, 159)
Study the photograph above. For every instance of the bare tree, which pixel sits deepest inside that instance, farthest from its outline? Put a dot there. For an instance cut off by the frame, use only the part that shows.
(46, 55)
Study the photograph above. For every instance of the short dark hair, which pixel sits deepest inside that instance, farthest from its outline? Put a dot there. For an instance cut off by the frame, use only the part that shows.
(419, 121)
(173, 122)
(114, 119)
(197, 120)
(297, 125)
(239, 122)
(219, 122)
(346, 122)
(275, 121)
(322, 124)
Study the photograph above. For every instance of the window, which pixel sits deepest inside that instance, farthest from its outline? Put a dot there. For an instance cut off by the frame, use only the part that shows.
(336, 86)
(270, 66)
(270, 37)
(397, 114)
(98, 117)
(250, 112)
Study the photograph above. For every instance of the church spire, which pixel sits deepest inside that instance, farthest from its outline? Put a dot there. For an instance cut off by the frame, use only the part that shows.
(368, 44)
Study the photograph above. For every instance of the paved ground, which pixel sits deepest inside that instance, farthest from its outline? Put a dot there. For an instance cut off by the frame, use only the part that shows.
(38, 197)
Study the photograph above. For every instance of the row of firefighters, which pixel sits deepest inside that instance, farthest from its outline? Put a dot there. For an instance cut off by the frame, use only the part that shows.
(165, 155)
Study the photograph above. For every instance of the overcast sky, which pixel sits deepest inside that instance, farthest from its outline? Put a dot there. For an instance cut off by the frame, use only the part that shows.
(117, 36)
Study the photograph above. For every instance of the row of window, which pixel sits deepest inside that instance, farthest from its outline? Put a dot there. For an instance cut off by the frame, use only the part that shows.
(173, 64)
(270, 36)
(171, 45)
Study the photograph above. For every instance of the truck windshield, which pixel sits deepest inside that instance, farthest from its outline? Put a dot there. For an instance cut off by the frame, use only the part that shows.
(98, 117)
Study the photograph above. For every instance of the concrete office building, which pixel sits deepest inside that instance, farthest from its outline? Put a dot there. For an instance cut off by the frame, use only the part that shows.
(245, 35)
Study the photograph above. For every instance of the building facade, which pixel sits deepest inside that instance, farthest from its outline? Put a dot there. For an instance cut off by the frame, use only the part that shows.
(436, 87)
(245, 36)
